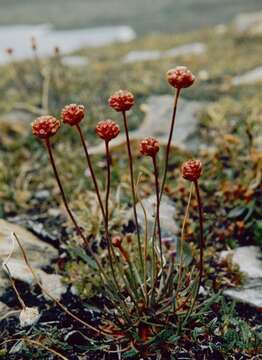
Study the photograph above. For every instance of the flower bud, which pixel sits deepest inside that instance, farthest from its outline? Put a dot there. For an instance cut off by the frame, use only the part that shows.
(45, 126)
(180, 77)
(149, 146)
(72, 114)
(122, 100)
(191, 170)
(9, 51)
(117, 241)
(107, 130)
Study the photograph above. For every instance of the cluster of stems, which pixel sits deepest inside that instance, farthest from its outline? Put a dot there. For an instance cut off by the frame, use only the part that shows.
(144, 285)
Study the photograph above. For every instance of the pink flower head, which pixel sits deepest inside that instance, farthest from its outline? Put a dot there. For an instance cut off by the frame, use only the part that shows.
(149, 146)
(180, 77)
(45, 126)
(122, 100)
(72, 114)
(107, 130)
(117, 241)
(191, 170)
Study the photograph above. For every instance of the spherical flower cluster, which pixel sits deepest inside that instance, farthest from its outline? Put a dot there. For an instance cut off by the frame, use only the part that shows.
(107, 130)
(149, 146)
(45, 126)
(122, 100)
(72, 114)
(180, 77)
(191, 170)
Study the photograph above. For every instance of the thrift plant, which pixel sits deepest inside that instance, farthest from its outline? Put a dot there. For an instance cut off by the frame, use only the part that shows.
(152, 292)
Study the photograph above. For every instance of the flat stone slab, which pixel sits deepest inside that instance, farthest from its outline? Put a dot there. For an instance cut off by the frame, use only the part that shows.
(149, 55)
(157, 122)
(75, 61)
(250, 294)
(250, 77)
(167, 213)
(249, 260)
(39, 255)
(249, 23)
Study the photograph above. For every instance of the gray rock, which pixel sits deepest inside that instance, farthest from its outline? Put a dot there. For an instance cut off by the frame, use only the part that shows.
(75, 61)
(39, 255)
(149, 55)
(250, 77)
(187, 49)
(167, 213)
(249, 260)
(157, 123)
(134, 56)
(250, 293)
(53, 284)
(249, 23)
(17, 122)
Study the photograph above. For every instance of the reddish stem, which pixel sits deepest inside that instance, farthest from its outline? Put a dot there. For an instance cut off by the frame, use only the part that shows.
(169, 141)
(202, 242)
(133, 186)
(91, 170)
(109, 243)
(158, 209)
(77, 227)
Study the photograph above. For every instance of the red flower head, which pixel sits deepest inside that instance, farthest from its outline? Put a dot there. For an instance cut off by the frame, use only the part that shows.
(45, 126)
(180, 77)
(191, 170)
(72, 114)
(122, 100)
(9, 51)
(117, 241)
(149, 146)
(107, 130)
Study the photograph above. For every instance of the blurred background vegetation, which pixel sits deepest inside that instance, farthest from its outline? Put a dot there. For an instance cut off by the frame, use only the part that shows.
(143, 15)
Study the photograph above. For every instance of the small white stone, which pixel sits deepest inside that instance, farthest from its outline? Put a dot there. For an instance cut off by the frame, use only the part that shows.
(248, 258)
(53, 284)
(29, 316)
(250, 77)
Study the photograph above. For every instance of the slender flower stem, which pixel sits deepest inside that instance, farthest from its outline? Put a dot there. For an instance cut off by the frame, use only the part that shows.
(182, 241)
(63, 307)
(133, 187)
(77, 227)
(38, 344)
(169, 141)
(108, 239)
(21, 301)
(201, 245)
(167, 157)
(158, 209)
(145, 242)
(104, 211)
(91, 169)
(202, 242)
(110, 246)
